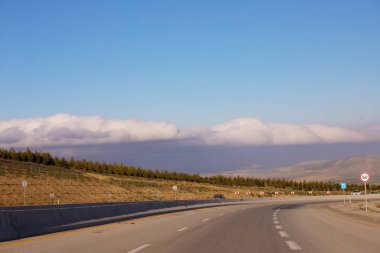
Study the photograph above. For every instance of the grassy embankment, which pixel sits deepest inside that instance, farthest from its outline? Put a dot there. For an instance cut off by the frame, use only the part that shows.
(70, 186)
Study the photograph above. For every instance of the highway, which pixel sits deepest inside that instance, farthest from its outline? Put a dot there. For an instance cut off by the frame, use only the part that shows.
(257, 227)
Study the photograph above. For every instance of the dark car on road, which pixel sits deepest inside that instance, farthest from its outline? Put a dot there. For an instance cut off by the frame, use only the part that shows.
(218, 196)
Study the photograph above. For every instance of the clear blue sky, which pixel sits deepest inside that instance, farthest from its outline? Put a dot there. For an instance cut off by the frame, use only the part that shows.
(194, 63)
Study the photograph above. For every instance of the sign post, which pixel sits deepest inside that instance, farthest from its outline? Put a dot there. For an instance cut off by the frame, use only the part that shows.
(343, 186)
(24, 184)
(365, 177)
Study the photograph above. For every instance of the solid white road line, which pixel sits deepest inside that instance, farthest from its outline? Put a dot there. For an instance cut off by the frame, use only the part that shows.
(206, 219)
(139, 248)
(179, 230)
(276, 222)
(278, 227)
(293, 245)
(283, 234)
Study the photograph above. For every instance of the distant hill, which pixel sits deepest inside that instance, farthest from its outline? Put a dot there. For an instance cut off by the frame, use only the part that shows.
(347, 169)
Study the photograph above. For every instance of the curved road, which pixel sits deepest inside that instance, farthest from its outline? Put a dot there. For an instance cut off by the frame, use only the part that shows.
(264, 227)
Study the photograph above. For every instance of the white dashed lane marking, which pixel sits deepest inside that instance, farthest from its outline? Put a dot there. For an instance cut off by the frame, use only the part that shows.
(139, 248)
(293, 245)
(283, 234)
(206, 219)
(180, 230)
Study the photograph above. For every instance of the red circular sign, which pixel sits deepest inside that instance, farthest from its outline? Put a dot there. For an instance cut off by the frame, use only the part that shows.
(364, 177)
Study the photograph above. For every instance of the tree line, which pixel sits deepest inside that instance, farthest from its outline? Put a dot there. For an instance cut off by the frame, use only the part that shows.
(47, 159)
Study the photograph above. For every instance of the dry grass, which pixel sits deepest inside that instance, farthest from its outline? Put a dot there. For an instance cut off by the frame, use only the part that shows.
(356, 211)
(70, 186)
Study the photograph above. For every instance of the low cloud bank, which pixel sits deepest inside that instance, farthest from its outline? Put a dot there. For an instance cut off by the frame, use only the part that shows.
(67, 130)
(250, 131)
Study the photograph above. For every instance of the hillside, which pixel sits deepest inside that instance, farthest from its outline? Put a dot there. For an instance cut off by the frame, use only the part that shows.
(74, 186)
(53, 180)
(347, 170)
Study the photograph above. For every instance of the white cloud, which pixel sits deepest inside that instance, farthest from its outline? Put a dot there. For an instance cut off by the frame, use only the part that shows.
(68, 130)
(250, 131)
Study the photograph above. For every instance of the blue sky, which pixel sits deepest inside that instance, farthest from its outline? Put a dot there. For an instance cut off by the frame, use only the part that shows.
(193, 63)
(208, 81)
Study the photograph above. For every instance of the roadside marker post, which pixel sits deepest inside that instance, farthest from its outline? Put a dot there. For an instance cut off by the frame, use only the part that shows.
(24, 184)
(175, 188)
(365, 177)
(52, 195)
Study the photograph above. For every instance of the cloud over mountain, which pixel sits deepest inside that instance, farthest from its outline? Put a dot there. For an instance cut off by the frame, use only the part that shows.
(250, 131)
(69, 130)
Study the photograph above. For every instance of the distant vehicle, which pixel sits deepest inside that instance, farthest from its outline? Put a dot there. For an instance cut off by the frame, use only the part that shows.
(356, 192)
(218, 196)
(375, 192)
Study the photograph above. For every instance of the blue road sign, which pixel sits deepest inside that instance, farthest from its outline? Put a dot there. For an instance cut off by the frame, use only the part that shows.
(343, 186)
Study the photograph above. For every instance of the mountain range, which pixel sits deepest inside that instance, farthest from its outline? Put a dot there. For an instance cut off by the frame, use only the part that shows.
(341, 170)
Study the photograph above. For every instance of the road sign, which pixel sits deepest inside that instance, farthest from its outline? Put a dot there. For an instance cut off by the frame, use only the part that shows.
(343, 186)
(364, 177)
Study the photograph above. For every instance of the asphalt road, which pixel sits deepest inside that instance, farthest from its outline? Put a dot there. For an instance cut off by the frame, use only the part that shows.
(259, 227)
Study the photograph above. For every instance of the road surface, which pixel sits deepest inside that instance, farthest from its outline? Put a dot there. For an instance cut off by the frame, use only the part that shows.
(259, 227)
